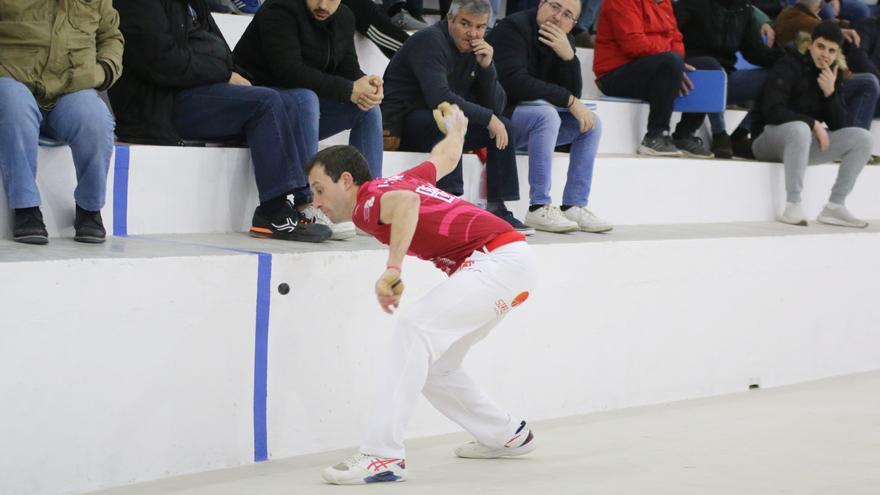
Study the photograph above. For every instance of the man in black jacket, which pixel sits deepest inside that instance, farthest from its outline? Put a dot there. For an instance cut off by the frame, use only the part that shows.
(802, 96)
(306, 48)
(719, 29)
(450, 61)
(181, 83)
(539, 71)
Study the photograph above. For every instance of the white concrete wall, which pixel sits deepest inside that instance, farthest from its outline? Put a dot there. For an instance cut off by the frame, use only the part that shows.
(115, 371)
(612, 325)
(121, 370)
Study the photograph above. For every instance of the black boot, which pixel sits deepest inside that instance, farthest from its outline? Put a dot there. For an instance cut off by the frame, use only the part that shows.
(88, 227)
(29, 227)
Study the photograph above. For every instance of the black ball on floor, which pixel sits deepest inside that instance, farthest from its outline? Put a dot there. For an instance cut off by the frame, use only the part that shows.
(283, 289)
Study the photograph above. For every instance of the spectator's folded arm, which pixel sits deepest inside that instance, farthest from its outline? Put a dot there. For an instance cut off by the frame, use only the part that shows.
(430, 72)
(777, 94)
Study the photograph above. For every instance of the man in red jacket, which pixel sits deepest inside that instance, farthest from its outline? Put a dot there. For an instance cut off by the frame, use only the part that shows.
(640, 54)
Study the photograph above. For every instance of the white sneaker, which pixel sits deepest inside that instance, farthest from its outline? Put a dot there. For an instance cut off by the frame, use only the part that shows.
(839, 215)
(362, 468)
(793, 214)
(586, 220)
(340, 231)
(521, 443)
(549, 218)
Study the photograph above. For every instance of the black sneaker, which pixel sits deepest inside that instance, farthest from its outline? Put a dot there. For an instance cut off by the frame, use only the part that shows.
(721, 146)
(658, 145)
(89, 227)
(29, 227)
(692, 147)
(288, 225)
(506, 215)
(742, 146)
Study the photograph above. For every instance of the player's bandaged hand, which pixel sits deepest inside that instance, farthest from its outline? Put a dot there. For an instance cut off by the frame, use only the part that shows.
(389, 287)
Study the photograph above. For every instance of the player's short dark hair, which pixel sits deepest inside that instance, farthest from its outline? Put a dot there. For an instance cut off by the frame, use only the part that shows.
(342, 158)
(828, 30)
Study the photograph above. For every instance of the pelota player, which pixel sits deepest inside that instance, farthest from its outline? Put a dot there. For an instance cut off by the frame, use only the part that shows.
(490, 268)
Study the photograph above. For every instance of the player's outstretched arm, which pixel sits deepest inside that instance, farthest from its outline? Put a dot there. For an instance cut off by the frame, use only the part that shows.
(400, 209)
(446, 153)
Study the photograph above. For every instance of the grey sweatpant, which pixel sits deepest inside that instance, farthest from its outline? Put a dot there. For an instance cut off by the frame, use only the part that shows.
(793, 144)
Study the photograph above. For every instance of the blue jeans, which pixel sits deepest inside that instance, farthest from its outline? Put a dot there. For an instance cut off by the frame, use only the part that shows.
(589, 14)
(80, 120)
(539, 129)
(318, 118)
(219, 111)
(420, 133)
(743, 86)
(851, 10)
(860, 94)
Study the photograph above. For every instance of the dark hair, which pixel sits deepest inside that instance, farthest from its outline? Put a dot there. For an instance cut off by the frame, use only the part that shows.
(828, 30)
(342, 158)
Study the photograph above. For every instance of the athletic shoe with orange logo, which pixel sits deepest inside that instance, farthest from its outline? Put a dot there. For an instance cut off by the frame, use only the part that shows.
(521, 443)
(288, 225)
(362, 468)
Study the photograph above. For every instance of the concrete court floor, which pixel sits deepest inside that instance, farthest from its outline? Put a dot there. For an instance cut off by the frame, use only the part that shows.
(816, 438)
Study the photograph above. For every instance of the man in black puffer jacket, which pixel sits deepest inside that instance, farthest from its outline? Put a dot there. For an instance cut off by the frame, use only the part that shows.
(802, 96)
(719, 29)
(307, 48)
(180, 82)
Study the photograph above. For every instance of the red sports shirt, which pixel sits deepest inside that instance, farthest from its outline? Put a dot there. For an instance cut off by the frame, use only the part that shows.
(449, 228)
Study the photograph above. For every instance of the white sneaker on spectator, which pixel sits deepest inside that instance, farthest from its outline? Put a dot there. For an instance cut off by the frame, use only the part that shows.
(521, 443)
(586, 220)
(549, 218)
(341, 230)
(834, 214)
(793, 214)
(362, 468)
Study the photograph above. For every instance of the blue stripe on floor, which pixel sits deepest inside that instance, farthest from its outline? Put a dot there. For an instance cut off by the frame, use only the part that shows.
(120, 191)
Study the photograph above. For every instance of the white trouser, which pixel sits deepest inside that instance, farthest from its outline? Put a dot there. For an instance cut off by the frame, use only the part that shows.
(430, 341)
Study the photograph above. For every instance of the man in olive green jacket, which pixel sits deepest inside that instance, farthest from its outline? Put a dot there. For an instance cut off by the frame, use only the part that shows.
(55, 55)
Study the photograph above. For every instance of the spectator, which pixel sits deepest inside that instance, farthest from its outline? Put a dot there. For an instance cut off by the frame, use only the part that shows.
(371, 21)
(450, 61)
(307, 48)
(181, 83)
(861, 88)
(60, 100)
(528, 71)
(719, 29)
(801, 98)
(640, 54)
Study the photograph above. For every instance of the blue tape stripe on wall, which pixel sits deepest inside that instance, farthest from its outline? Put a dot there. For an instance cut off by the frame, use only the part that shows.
(261, 355)
(120, 191)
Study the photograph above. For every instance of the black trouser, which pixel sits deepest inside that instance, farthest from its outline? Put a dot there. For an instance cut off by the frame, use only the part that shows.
(420, 133)
(370, 20)
(657, 79)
